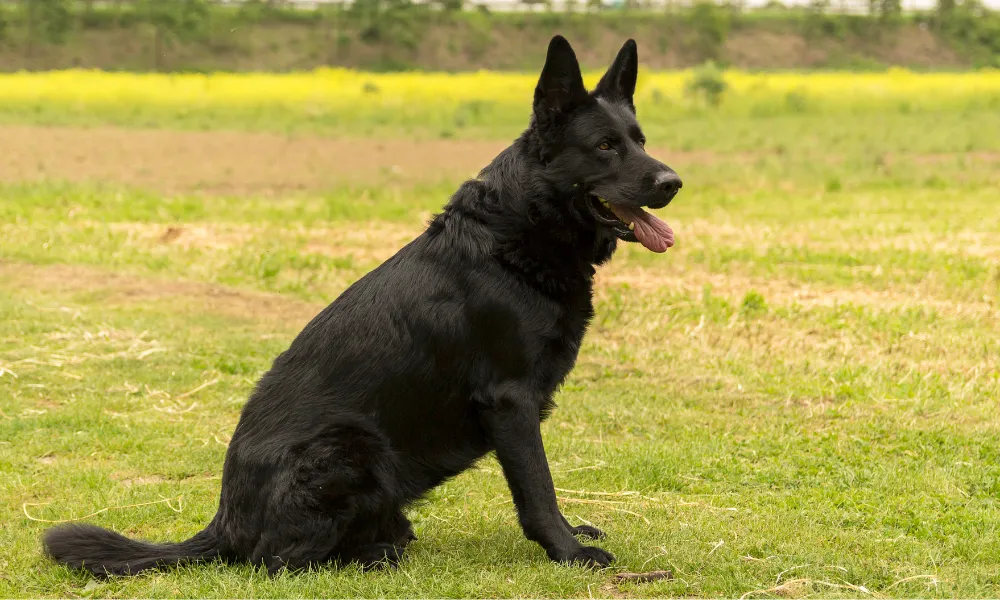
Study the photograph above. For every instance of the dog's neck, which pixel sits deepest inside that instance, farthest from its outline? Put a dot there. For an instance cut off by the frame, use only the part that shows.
(536, 229)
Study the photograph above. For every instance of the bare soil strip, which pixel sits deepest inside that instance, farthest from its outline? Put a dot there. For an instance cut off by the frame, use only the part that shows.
(226, 162)
(220, 162)
(232, 162)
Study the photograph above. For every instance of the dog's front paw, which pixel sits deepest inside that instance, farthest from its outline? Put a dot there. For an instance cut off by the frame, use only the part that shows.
(587, 556)
(591, 533)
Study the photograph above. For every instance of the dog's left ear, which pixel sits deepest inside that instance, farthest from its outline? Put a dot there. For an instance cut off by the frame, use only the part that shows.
(619, 82)
(560, 87)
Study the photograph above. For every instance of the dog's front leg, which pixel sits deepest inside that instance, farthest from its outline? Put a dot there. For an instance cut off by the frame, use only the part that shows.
(513, 424)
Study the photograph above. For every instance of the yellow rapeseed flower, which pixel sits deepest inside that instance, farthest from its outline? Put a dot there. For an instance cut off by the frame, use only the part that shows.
(336, 90)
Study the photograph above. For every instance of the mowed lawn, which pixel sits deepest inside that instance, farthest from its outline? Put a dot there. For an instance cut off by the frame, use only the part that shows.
(801, 398)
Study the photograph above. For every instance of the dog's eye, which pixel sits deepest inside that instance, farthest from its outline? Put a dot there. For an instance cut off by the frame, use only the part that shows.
(642, 142)
(604, 146)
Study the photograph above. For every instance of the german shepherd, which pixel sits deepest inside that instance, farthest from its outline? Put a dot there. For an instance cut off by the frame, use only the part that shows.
(450, 349)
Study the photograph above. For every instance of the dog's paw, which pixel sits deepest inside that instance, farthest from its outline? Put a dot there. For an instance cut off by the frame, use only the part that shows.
(407, 537)
(591, 533)
(587, 556)
(379, 556)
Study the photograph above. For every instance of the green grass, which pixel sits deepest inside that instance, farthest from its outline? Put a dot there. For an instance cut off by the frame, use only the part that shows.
(803, 392)
(971, 129)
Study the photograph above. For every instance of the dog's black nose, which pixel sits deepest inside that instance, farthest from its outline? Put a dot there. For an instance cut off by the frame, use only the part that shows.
(669, 183)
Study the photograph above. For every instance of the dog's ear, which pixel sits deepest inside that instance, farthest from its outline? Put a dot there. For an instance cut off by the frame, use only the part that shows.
(619, 82)
(560, 88)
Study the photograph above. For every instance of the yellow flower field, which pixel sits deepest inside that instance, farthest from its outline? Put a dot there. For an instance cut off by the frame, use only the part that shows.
(337, 89)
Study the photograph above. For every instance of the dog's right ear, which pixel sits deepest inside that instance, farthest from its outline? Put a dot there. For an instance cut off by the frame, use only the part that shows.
(619, 82)
(560, 88)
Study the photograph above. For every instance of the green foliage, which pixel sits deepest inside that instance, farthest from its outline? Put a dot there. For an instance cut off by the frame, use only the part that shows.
(885, 10)
(185, 19)
(708, 83)
(819, 22)
(400, 27)
(753, 304)
(450, 5)
(709, 26)
(481, 36)
(971, 29)
(52, 19)
(389, 23)
(4, 22)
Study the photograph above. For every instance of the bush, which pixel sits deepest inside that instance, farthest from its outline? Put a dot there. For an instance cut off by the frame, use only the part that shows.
(971, 28)
(184, 19)
(709, 27)
(708, 83)
(753, 304)
(53, 19)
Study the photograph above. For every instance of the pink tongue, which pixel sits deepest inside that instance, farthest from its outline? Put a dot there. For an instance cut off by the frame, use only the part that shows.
(651, 232)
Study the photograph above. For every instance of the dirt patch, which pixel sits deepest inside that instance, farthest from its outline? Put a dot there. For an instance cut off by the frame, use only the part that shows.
(771, 49)
(918, 47)
(240, 163)
(763, 49)
(228, 162)
(984, 157)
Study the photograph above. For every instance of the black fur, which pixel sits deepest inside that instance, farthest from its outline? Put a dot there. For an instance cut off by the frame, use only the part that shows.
(450, 349)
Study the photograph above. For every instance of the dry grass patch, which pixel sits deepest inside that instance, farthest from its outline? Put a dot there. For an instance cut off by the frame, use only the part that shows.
(368, 242)
(208, 236)
(119, 289)
(840, 235)
(787, 292)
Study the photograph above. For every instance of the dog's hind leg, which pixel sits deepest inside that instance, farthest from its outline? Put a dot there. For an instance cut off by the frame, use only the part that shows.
(378, 540)
(333, 487)
(374, 556)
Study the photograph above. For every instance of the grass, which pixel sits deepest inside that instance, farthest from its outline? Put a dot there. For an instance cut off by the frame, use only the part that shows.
(800, 398)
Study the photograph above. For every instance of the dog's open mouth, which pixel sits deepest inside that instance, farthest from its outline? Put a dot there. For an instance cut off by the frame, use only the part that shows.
(632, 224)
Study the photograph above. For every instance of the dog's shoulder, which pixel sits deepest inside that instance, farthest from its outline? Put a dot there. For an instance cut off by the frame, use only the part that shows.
(463, 231)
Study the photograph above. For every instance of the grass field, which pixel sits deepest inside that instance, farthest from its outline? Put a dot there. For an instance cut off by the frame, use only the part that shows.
(799, 399)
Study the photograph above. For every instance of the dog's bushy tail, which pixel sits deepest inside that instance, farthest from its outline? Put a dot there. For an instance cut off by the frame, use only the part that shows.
(104, 552)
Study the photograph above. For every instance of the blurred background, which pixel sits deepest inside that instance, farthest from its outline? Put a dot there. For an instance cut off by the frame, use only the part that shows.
(207, 35)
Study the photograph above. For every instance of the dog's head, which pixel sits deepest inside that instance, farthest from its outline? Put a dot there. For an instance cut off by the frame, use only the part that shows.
(593, 148)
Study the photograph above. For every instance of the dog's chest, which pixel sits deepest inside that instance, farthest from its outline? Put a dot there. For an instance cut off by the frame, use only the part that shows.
(553, 346)
(574, 327)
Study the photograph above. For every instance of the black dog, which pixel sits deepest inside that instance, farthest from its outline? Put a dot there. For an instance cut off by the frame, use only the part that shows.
(450, 349)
